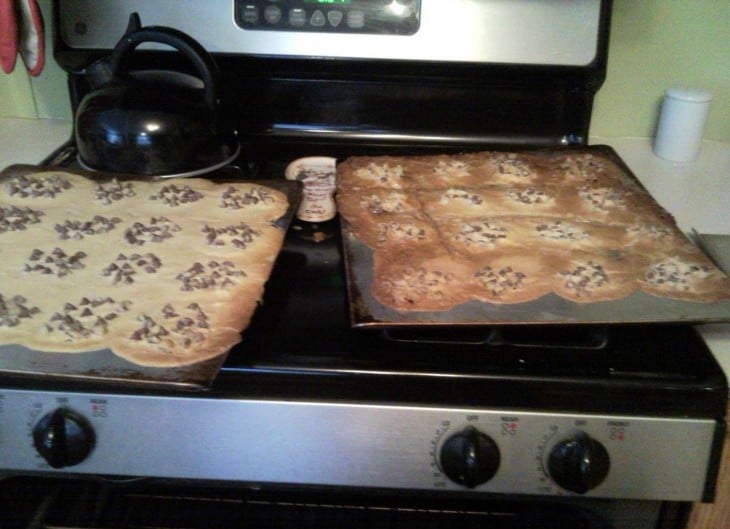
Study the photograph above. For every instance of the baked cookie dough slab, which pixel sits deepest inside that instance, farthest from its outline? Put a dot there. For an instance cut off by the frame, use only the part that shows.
(366, 312)
(119, 279)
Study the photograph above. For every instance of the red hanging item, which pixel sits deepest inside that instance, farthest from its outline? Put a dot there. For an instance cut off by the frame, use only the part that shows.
(8, 35)
(30, 36)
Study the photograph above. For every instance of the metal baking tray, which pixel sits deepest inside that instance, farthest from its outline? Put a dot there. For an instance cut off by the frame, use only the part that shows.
(103, 365)
(639, 307)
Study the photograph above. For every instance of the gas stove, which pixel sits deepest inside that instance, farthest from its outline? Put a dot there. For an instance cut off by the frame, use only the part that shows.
(308, 399)
(307, 402)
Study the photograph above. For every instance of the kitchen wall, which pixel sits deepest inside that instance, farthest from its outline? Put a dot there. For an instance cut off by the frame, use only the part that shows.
(45, 96)
(660, 43)
(654, 44)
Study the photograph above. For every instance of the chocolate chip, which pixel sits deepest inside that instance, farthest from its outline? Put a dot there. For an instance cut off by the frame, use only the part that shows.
(37, 186)
(174, 196)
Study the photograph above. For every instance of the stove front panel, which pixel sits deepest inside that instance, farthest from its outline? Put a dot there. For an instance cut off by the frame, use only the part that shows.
(554, 32)
(358, 445)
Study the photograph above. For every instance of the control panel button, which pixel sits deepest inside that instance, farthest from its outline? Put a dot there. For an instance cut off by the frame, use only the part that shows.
(297, 17)
(63, 437)
(579, 463)
(272, 14)
(334, 17)
(470, 457)
(356, 19)
(317, 19)
(250, 14)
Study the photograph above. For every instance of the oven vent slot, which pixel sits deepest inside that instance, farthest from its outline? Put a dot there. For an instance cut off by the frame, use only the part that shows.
(87, 505)
(538, 336)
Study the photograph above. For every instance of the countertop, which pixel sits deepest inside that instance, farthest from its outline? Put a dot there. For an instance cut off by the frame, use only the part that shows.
(696, 193)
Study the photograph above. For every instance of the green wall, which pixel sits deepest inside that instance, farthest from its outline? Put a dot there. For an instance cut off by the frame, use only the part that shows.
(654, 44)
(45, 96)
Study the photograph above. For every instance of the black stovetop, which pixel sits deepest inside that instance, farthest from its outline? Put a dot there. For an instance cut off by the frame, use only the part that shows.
(301, 339)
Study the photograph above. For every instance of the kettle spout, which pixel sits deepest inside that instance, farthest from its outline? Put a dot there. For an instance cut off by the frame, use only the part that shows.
(135, 22)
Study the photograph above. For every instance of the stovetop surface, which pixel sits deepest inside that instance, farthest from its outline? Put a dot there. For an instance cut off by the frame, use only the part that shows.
(301, 345)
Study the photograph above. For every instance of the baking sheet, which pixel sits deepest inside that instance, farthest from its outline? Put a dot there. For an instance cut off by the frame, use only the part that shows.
(639, 307)
(103, 365)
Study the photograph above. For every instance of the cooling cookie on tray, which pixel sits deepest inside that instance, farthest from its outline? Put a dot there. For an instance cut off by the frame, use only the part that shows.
(442, 171)
(684, 274)
(490, 201)
(397, 231)
(161, 272)
(511, 277)
(370, 203)
(479, 235)
(561, 235)
(582, 169)
(372, 173)
(586, 277)
(420, 281)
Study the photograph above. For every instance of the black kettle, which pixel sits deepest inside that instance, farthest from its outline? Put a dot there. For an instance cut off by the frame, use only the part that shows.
(153, 124)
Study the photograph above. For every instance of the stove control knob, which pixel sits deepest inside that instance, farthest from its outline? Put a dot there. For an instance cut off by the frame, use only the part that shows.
(63, 437)
(470, 457)
(579, 463)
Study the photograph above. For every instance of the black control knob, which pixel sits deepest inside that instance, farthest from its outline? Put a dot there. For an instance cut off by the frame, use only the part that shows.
(579, 464)
(470, 457)
(63, 437)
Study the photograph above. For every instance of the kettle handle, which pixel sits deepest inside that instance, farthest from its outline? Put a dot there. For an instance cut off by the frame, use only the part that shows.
(185, 44)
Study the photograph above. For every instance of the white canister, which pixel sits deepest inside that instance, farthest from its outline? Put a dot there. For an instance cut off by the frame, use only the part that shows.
(682, 124)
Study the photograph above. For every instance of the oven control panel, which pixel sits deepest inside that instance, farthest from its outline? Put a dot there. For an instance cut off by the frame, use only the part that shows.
(384, 17)
(462, 31)
(356, 445)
